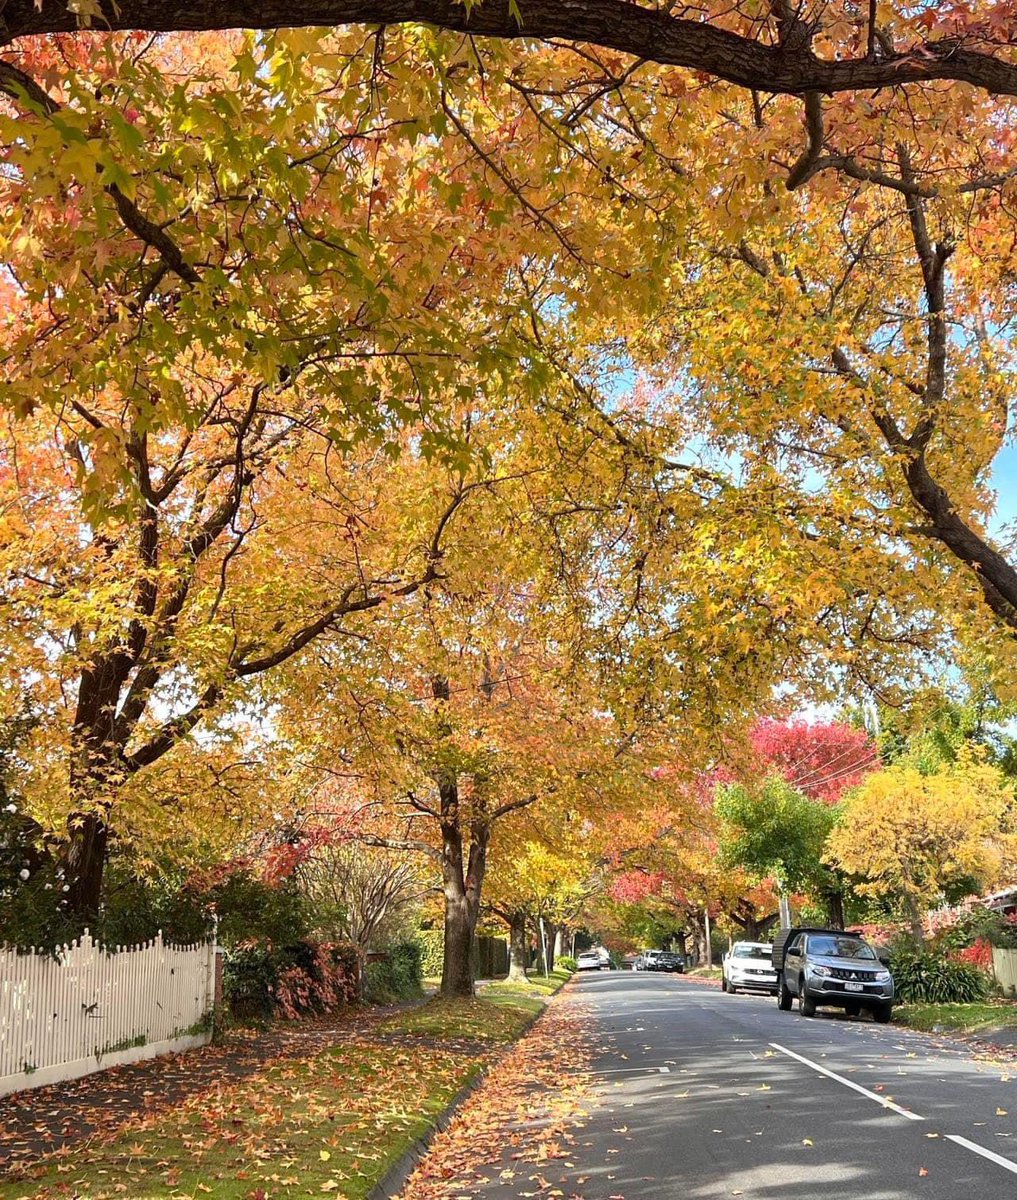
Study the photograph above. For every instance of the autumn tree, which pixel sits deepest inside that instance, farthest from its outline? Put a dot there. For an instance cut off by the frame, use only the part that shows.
(913, 839)
(228, 300)
(822, 759)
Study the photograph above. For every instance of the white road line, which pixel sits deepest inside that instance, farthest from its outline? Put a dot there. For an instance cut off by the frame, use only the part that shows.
(998, 1159)
(911, 1116)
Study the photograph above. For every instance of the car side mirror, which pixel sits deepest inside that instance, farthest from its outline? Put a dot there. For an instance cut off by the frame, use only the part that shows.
(883, 954)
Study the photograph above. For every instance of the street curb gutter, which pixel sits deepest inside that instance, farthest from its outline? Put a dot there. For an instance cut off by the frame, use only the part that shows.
(391, 1184)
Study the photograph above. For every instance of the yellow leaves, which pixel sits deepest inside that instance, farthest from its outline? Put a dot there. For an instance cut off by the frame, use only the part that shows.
(913, 833)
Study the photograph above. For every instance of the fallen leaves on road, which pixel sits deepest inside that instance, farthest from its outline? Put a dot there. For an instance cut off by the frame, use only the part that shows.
(524, 1113)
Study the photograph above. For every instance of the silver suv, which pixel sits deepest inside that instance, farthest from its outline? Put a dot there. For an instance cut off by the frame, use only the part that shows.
(832, 968)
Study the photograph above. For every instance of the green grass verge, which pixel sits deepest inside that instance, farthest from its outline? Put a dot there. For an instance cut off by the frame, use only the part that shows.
(957, 1018)
(329, 1124)
(705, 972)
(498, 1014)
(535, 984)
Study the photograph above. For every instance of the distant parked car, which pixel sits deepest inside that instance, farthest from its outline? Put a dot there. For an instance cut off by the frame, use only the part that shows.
(659, 960)
(833, 968)
(748, 966)
(589, 960)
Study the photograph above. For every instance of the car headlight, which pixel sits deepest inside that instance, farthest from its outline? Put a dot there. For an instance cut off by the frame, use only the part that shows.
(883, 976)
(820, 970)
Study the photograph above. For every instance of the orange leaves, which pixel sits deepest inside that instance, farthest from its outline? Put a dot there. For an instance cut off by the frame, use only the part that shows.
(542, 1077)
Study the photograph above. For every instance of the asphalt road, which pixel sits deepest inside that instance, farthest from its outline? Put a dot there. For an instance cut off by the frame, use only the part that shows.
(703, 1095)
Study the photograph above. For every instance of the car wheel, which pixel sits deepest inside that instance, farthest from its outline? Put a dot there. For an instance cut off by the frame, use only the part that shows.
(881, 1015)
(806, 1006)
(852, 1010)
(784, 997)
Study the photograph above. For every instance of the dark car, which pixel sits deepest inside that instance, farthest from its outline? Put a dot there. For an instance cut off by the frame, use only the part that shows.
(659, 960)
(833, 968)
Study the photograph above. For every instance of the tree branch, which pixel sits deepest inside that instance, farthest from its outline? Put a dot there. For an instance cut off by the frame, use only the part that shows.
(651, 33)
(19, 86)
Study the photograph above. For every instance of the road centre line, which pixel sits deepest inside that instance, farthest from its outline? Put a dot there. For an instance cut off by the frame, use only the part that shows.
(911, 1116)
(976, 1149)
(1006, 1163)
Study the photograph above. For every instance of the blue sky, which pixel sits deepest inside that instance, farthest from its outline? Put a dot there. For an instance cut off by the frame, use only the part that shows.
(1004, 479)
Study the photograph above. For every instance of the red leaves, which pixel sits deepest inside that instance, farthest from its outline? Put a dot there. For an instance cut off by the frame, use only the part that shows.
(822, 760)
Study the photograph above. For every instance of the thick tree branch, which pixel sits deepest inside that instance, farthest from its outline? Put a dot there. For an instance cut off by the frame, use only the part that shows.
(646, 32)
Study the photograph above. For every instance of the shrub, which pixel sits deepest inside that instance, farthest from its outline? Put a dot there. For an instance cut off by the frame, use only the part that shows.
(261, 980)
(565, 962)
(927, 976)
(396, 977)
(979, 954)
(980, 924)
(322, 978)
(432, 952)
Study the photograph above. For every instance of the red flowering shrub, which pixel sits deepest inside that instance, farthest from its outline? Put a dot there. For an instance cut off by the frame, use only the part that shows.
(978, 954)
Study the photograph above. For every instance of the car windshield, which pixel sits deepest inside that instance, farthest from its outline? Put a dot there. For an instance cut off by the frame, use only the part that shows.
(752, 952)
(840, 947)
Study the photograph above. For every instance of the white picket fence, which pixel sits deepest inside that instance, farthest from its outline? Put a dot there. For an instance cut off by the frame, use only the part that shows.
(86, 1008)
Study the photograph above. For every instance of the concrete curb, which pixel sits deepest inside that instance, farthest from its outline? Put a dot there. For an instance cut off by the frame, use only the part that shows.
(391, 1184)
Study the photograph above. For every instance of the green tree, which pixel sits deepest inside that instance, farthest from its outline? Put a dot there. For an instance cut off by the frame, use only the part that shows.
(772, 830)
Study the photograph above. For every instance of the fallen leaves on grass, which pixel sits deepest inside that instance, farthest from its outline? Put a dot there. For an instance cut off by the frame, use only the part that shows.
(326, 1115)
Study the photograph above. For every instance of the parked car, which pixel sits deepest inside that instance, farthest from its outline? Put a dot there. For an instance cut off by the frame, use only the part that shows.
(659, 960)
(834, 968)
(748, 966)
(589, 960)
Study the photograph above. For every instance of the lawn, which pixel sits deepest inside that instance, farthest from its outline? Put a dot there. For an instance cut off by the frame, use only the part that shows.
(328, 1124)
(499, 1013)
(705, 972)
(957, 1018)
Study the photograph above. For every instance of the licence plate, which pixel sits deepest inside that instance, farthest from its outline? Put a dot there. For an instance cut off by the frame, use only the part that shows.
(852, 987)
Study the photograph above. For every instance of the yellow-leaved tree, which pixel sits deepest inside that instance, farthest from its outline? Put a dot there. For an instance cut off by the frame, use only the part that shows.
(917, 836)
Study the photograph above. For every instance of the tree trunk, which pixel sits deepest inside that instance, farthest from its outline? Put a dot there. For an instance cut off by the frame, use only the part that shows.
(552, 936)
(517, 946)
(915, 917)
(559, 944)
(786, 918)
(457, 968)
(835, 907)
(463, 888)
(85, 863)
